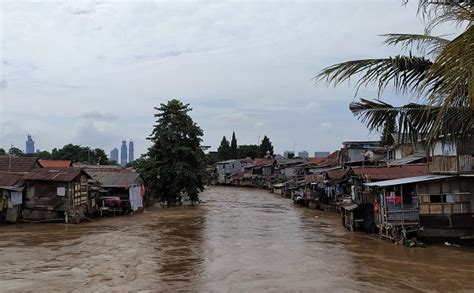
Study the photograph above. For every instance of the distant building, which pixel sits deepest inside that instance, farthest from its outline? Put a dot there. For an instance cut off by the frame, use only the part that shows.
(303, 154)
(30, 145)
(114, 155)
(123, 153)
(131, 155)
(321, 154)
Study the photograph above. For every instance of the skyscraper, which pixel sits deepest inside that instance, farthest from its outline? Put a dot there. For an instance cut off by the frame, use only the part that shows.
(131, 155)
(114, 155)
(30, 145)
(123, 153)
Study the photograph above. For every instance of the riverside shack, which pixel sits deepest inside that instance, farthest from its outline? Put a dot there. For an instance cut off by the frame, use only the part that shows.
(11, 196)
(121, 189)
(56, 194)
(396, 205)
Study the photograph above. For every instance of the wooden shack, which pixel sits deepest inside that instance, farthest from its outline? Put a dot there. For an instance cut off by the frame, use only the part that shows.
(396, 205)
(11, 196)
(125, 185)
(55, 194)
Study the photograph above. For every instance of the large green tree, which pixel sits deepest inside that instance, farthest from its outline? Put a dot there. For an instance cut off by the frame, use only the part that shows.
(176, 154)
(440, 76)
(2, 152)
(248, 151)
(224, 151)
(78, 153)
(265, 147)
(234, 150)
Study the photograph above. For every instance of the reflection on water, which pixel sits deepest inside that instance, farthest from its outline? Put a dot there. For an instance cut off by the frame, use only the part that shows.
(238, 240)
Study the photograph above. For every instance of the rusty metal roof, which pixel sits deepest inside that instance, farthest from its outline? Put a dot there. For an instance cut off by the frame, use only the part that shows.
(114, 179)
(55, 163)
(9, 179)
(263, 161)
(17, 164)
(391, 172)
(53, 174)
(336, 174)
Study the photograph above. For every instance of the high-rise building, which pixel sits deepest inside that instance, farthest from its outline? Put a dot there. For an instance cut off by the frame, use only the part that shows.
(30, 145)
(123, 153)
(114, 155)
(321, 154)
(131, 155)
(303, 154)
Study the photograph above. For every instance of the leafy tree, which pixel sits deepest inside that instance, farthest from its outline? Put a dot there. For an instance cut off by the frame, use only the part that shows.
(43, 155)
(234, 150)
(176, 154)
(265, 146)
(291, 155)
(2, 152)
(77, 153)
(224, 151)
(149, 171)
(211, 158)
(15, 151)
(248, 150)
(441, 77)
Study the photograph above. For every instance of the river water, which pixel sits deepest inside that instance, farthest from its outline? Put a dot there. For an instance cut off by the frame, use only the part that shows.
(238, 240)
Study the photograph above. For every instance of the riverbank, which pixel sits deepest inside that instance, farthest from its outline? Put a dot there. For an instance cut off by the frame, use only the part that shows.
(237, 240)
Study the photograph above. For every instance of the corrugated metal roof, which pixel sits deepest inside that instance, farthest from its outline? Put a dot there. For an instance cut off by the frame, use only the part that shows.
(406, 160)
(391, 172)
(55, 163)
(51, 174)
(337, 174)
(263, 161)
(17, 164)
(114, 179)
(9, 179)
(408, 180)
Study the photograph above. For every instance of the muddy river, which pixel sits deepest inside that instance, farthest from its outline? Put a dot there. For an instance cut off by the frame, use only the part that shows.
(238, 240)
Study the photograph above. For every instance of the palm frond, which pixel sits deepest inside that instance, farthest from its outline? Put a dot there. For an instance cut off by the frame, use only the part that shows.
(415, 120)
(451, 78)
(426, 44)
(410, 119)
(406, 73)
(436, 12)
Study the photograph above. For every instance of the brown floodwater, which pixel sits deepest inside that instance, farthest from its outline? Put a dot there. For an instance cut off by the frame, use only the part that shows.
(237, 240)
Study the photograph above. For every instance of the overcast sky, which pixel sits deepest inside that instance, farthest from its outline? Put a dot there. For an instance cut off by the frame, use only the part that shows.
(90, 72)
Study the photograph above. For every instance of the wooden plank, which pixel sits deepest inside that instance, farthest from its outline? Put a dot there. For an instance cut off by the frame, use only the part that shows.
(425, 209)
(436, 208)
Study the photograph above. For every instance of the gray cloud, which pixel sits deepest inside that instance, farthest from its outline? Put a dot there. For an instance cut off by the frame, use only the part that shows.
(239, 64)
(99, 116)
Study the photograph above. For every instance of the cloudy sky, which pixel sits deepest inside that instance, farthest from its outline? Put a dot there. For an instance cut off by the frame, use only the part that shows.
(90, 72)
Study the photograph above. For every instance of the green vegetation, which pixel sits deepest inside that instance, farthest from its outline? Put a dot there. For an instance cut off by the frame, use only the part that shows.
(248, 151)
(265, 147)
(441, 77)
(77, 153)
(224, 151)
(15, 151)
(234, 150)
(175, 164)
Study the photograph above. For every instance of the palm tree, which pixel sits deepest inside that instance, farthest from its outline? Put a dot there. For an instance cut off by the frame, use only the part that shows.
(441, 78)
